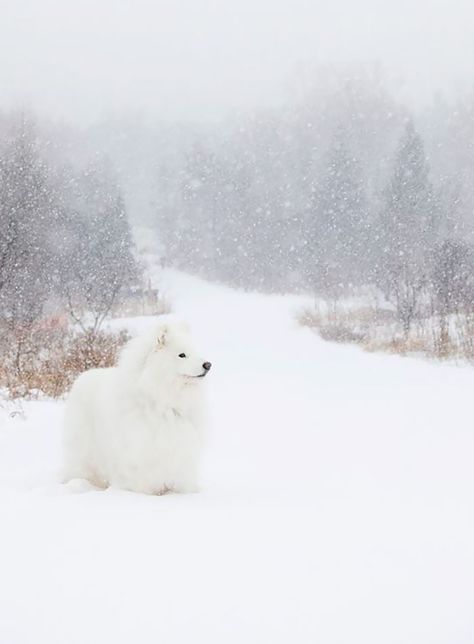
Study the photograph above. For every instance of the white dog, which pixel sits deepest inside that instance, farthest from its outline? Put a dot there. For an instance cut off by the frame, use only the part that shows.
(139, 426)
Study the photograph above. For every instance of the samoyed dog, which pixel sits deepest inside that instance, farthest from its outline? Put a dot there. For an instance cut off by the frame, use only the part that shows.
(140, 425)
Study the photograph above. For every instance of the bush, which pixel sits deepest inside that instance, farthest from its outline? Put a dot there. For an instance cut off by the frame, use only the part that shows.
(336, 323)
(442, 337)
(36, 361)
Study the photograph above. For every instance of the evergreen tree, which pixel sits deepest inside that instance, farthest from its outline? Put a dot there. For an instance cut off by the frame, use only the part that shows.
(409, 216)
(27, 213)
(409, 224)
(195, 241)
(337, 220)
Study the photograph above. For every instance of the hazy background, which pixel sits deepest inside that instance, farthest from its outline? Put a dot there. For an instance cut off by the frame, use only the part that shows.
(321, 147)
(199, 59)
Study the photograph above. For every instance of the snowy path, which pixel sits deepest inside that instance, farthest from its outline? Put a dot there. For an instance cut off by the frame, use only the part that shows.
(337, 504)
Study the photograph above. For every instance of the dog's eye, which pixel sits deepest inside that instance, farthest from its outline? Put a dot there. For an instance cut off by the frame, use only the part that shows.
(182, 355)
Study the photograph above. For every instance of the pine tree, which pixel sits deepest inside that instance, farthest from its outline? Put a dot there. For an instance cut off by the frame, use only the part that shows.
(27, 212)
(195, 230)
(409, 217)
(337, 220)
(409, 223)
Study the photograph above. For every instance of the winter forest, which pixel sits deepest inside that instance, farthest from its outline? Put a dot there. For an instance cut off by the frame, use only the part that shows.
(341, 191)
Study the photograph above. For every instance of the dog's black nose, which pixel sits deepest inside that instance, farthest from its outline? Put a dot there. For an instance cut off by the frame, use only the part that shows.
(206, 366)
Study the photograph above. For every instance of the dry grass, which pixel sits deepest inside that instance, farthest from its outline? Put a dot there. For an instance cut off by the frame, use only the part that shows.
(399, 345)
(377, 330)
(346, 326)
(45, 357)
(36, 362)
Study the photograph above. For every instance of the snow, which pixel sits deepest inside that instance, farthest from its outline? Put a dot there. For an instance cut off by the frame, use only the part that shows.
(336, 504)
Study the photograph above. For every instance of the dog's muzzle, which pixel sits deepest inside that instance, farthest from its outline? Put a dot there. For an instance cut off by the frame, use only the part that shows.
(207, 367)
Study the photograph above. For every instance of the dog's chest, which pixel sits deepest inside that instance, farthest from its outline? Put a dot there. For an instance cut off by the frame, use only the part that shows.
(170, 424)
(148, 429)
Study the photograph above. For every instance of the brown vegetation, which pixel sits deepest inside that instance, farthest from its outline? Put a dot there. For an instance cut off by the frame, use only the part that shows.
(37, 361)
(439, 337)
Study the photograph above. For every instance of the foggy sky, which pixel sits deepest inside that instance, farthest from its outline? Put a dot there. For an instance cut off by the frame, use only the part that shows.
(84, 59)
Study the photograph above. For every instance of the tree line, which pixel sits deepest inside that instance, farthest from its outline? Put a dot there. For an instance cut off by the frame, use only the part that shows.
(340, 189)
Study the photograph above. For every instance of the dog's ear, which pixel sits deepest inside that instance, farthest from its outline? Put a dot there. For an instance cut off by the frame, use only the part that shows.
(161, 336)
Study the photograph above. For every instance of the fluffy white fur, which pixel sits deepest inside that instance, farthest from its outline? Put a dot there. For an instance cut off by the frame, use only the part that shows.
(140, 425)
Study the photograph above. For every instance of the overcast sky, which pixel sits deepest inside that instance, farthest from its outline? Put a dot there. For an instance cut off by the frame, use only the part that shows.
(200, 58)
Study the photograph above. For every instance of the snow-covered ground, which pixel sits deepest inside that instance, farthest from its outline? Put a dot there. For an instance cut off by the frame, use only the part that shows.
(337, 503)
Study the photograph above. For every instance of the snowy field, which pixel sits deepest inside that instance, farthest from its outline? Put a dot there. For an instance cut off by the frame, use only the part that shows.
(337, 503)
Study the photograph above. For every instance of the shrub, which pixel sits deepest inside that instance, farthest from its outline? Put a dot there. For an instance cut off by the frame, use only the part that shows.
(46, 362)
(443, 337)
